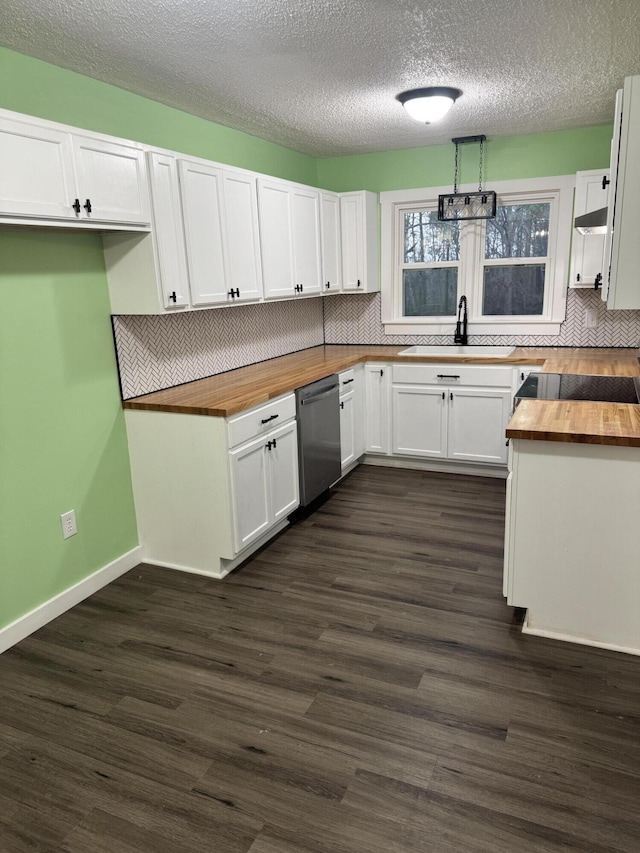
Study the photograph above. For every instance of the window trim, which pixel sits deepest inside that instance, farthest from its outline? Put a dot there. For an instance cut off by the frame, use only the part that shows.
(558, 189)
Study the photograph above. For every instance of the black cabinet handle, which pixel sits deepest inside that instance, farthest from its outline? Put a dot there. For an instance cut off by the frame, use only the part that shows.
(328, 285)
(266, 420)
(443, 395)
(173, 297)
(451, 396)
(347, 381)
(605, 182)
(76, 205)
(342, 405)
(268, 445)
(448, 376)
(87, 205)
(598, 281)
(233, 293)
(275, 443)
(358, 283)
(382, 373)
(578, 277)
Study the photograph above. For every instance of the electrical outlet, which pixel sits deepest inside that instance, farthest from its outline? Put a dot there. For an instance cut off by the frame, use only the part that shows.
(69, 526)
(591, 318)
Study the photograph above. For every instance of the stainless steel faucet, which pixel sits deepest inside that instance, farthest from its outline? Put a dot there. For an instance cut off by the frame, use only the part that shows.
(460, 336)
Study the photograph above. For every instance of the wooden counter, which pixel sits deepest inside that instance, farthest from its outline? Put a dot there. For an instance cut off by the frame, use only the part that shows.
(547, 420)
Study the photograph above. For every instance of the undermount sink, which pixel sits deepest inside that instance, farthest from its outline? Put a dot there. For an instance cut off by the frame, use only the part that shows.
(459, 349)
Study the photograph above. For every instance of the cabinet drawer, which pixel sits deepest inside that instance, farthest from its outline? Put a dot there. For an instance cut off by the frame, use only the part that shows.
(347, 380)
(260, 420)
(453, 374)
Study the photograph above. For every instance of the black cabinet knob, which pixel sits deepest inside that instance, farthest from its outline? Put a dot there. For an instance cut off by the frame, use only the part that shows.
(87, 205)
(358, 283)
(76, 205)
(605, 182)
(173, 297)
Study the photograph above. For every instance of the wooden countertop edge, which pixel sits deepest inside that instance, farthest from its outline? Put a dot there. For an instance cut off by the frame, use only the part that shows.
(575, 437)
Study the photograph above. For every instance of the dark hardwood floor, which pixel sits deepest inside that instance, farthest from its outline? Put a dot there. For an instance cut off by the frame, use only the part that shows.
(359, 686)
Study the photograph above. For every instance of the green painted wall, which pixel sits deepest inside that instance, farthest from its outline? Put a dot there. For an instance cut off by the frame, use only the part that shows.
(538, 155)
(63, 444)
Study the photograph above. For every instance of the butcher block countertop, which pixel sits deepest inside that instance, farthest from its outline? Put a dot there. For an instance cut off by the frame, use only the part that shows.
(600, 423)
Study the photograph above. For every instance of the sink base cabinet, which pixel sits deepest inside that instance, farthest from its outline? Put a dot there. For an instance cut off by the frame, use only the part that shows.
(571, 544)
(200, 506)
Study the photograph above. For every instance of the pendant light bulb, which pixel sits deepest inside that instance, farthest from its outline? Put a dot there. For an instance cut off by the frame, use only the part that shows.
(430, 104)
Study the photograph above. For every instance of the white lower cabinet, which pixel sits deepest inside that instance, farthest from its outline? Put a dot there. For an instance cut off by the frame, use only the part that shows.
(464, 422)
(230, 487)
(351, 416)
(264, 482)
(377, 411)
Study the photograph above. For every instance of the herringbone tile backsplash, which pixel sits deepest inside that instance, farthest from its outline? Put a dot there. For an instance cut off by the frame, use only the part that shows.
(157, 352)
(355, 319)
(161, 351)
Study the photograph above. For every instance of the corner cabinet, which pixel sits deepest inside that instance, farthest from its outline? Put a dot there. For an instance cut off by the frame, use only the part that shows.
(359, 230)
(289, 216)
(55, 176)
(622, 248)
(228, 491)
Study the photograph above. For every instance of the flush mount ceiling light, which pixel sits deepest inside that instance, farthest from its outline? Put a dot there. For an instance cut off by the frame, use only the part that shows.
(430, 104)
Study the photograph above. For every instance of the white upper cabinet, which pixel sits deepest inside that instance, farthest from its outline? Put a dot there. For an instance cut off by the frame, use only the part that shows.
(57, 176)
(330, 236)
(289, 239)
(622, 247)
(587, 250)
(359, 229)
(201, 191)
(305, 211)
(242, 238)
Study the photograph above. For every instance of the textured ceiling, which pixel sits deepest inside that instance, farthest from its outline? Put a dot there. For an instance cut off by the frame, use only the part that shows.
(321, 76)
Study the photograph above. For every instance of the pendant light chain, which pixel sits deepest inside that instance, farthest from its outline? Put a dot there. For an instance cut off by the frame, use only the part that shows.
(455, 172)
(481, 153)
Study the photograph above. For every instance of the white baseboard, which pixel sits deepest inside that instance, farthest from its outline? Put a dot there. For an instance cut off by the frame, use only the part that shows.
(56, 606)
(581, 641)
(498, 471)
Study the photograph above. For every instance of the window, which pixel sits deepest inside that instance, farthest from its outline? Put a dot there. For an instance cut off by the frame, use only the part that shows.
(513, 269)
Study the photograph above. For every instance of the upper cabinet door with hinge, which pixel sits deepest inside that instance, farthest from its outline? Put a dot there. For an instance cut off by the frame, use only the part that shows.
(111, 181)
(201, 190)
(330, 235)
(168, 231)
(305, 209)
(36, 171)
(359, 226)
(587, 251)
(276, 244)
(244, 265)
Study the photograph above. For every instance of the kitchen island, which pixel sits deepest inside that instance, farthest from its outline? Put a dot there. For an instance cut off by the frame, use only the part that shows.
(573, 507)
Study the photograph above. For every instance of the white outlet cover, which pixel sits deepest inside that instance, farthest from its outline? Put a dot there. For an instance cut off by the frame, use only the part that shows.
(68, 522)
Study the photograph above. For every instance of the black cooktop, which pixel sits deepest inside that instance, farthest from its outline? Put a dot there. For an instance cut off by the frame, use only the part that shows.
(572, 386)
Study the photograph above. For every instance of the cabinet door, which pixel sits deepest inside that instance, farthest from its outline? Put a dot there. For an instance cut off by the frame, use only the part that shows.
(305, 210)
(587, 250)
(376, 422)
(36, 171)
(351, 222)
(476, 425)
(419, 419)
(168, 231)
(202, 199)
(613, 194)
(242, 253)
(347, 429)
(276, 246)
(250, 489)
(283, 470)
(330, 234)
(112, 177)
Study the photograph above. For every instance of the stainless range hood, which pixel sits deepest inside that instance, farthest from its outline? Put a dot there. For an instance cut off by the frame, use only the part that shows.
(594, 222)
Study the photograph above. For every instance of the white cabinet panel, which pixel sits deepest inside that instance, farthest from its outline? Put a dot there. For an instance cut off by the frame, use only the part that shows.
(243, 261)
(168, 232)
(201, 193)
(476, 425)
(376, 425)
(276, 241)
(283, 471)
(250, 491)
(111, 181)
(347, 429)
(359, 240)
(36, 171)
(419, 421)
(305, 211)
(330, 234)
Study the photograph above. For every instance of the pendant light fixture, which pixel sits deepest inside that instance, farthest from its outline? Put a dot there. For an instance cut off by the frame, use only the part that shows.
(430, 104)
(471, 205)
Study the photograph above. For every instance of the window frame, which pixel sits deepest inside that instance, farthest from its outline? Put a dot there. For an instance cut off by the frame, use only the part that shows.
(557, 190)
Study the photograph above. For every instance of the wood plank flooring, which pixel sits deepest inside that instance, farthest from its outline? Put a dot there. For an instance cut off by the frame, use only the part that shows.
(359, 686)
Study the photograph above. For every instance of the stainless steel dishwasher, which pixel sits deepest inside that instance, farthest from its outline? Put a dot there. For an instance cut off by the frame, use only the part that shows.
(318, 413)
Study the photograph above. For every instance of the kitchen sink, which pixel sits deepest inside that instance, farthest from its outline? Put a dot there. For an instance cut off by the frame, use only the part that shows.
(459, 349)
